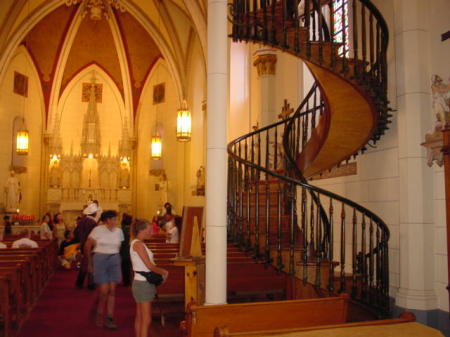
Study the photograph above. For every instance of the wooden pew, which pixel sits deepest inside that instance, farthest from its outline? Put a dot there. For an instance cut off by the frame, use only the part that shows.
(201, 321)
(23, 275)
(224, 331)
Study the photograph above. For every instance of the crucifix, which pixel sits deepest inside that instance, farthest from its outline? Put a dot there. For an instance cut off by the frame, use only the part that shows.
(286, 110)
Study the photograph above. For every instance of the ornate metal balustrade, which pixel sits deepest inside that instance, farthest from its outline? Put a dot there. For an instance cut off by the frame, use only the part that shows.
(316, 236)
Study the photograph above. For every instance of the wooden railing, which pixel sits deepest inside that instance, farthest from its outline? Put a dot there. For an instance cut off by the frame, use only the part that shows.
(310, 233)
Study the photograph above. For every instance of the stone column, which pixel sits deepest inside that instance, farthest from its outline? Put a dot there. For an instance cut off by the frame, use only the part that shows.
(416, 290)
(216, 156)
(265, 62)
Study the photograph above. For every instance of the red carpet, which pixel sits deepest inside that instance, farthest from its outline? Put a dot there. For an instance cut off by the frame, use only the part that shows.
(64, 311)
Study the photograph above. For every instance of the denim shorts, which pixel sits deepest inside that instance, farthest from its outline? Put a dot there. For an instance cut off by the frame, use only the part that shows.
(107, 268)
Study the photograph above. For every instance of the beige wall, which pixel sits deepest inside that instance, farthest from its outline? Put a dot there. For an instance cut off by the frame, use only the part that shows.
(12, 106)
(377, 184)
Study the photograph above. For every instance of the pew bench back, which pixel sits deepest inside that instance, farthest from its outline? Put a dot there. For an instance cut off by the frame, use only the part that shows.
(201, 321)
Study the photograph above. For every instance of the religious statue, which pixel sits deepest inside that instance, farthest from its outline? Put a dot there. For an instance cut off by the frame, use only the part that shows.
(124, 175)
(441, 110)
(55, 175)
(441, 99)
(13, 193)
(201, 181)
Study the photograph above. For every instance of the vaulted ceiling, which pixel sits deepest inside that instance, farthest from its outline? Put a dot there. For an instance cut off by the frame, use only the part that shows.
(126, 46)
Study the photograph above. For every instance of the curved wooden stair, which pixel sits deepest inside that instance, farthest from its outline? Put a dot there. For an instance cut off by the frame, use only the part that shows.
(318, 238)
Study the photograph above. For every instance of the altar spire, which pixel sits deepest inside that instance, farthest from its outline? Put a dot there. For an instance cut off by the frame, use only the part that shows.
(90, 141)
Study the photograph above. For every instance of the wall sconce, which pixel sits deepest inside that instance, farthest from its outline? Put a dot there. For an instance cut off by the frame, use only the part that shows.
(184, 123)
(156, 147)
(22, 142)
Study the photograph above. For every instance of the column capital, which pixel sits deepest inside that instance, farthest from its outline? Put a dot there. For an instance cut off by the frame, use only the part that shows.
(265, 62)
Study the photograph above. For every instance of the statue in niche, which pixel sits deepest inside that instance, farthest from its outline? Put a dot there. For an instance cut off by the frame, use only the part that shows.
(13, 193)
(55, 175)
(201, 181)
(441, 101)
(124, 176)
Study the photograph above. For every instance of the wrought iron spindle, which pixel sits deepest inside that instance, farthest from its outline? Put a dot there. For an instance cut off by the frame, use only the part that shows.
(371, 44)
(342, 275)
(305, 237)
(292, 236)
(275, 155)
(363, 259)
(265, 22)
(311, 244)
(280, 265)
(274, 29)
(248, 26)
(319, 249)
(308, 27)
(330, 252)
(354, 253)
(332, 32)
(255, 20)
(371, 262)
(363, 40)
(355, 40)
(320, 30)
(344, 42)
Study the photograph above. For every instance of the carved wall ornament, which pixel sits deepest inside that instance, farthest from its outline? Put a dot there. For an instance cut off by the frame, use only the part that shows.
(97, 8)
(86, 92)
(286, 111)
(20, 84)
(159, 93)
(266, 64)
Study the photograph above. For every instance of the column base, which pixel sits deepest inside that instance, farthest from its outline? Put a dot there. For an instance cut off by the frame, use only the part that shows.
(416, 299)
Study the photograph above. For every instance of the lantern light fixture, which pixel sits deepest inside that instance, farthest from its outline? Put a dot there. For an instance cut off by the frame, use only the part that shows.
(156, 147)
(22, 142)
(184, 123)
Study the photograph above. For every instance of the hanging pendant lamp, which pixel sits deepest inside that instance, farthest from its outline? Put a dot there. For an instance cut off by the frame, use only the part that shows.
(184, 123)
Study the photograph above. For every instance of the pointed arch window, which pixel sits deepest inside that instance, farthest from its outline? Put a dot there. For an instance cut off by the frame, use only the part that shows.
(341, 26)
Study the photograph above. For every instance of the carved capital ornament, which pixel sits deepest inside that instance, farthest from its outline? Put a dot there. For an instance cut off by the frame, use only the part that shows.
(266, 64)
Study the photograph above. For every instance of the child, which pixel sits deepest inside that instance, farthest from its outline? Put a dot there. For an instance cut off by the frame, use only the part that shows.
(68, 250)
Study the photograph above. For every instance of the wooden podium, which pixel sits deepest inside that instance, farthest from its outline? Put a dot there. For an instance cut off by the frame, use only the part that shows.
(191, 257)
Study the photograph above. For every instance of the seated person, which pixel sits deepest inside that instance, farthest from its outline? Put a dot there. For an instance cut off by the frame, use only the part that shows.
(68, 250)
(172, 232)
(7, 223)
(46, 232)
(25, 241)
(155, 225)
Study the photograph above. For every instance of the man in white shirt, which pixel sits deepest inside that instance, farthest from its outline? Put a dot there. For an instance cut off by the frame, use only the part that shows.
(25, 241)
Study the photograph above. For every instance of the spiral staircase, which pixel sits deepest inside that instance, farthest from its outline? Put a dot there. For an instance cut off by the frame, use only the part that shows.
(326, 243)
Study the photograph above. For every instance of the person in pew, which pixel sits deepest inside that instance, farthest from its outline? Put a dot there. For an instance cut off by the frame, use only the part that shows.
(45, 231)
(59, 226)
(8, 225)
(172, 232)
(105, 263)
(142, 261)
(125, 249)
(2, 245)
(68, 250)
(84, 227)
(25, 241)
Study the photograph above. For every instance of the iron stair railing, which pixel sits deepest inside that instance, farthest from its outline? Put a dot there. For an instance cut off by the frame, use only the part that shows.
(310, 233)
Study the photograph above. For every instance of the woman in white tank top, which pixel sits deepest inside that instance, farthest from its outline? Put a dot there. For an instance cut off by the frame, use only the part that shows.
(142, 260)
